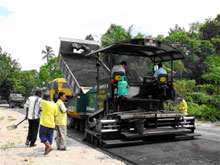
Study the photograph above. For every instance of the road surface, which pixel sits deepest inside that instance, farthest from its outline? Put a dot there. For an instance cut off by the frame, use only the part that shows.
(204, 149)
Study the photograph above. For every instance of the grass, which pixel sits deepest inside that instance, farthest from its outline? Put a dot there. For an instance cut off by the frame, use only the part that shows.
(7, 146)
(2, 118)
(10, 118)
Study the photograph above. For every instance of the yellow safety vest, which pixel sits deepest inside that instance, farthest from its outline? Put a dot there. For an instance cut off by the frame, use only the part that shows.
(184, 107)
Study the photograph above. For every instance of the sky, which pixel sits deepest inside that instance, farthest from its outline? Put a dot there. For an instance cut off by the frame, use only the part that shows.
(27, 26)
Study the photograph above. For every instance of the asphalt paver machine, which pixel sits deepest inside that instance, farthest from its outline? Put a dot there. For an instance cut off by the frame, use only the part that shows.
(109, 117)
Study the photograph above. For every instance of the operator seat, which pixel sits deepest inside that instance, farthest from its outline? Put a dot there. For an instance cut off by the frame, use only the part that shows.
(147, 89)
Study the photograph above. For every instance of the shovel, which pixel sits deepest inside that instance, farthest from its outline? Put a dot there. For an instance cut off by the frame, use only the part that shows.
(12, 127)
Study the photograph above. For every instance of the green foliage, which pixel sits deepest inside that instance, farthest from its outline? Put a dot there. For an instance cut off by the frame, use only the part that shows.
(13, 80)
(196, 49)
(183, 87)
(49, 72)
(178, 66)
(210, 113)
(203, 100)
(213, 73)
(201, 69)
(48, 53)
(195, 109)
(115, 33)
(28, 81)
(9, 74)
(2, 118)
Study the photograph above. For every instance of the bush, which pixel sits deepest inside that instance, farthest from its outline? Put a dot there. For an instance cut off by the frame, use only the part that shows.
(210, 113)
(196, 110)
(204, 112)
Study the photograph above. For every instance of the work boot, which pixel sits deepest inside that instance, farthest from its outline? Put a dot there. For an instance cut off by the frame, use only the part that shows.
(48, 148)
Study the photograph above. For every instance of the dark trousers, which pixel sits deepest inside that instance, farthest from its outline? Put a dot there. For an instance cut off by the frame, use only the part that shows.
(33, 130)
(46, 134)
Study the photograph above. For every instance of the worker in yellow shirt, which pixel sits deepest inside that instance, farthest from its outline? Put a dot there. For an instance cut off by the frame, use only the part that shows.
(183, 105)
(61, 122)
(47, 122)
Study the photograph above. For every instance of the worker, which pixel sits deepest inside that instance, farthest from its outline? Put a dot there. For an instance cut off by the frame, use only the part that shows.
(33, 108)
(183, 105)
(61, 122)
(160, 70)
(119, 68)
(47, 122)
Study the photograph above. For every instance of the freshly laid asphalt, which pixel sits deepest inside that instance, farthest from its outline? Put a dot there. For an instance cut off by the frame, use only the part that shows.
(204, 149)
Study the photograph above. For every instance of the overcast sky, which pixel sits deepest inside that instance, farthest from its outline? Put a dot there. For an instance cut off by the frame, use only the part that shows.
(26, 26)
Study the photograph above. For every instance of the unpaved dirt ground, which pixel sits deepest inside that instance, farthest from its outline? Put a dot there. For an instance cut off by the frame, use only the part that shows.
(14, 151)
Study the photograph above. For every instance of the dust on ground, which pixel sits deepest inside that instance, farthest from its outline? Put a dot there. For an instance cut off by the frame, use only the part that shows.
(14, 151)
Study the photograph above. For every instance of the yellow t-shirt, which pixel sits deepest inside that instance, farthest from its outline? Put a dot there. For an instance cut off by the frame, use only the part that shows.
(49, 111)
(61, 118)
(184, 107)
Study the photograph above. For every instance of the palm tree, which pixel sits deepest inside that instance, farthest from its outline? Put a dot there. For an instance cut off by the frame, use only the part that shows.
(89, 37)
(48, 53)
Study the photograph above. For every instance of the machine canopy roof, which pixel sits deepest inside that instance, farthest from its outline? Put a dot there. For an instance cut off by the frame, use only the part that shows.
(157, 51)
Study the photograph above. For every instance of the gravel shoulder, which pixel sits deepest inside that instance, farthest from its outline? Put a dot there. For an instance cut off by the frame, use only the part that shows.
(209, 130)
(13, 150)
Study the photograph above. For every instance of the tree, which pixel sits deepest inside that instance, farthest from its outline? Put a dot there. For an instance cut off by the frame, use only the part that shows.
(177, 28)
(201, 44)
(49, 72)
(29, 80)
(115, 33)
(48, 53)
(9, 74)
(196, 50)
(89, 37)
